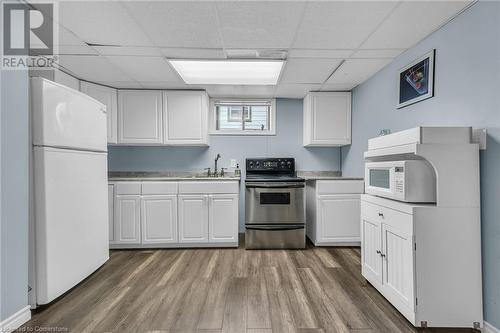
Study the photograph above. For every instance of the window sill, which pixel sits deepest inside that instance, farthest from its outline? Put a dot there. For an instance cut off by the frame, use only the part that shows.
(267, 133)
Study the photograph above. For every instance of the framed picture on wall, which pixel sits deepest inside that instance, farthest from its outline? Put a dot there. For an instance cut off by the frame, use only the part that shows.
(416, 80)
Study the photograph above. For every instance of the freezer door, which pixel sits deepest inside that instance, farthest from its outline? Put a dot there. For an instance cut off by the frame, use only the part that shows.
(64, 117)
(71, 218)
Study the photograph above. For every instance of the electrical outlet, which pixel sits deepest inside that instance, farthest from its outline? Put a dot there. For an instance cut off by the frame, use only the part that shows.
(233, 163)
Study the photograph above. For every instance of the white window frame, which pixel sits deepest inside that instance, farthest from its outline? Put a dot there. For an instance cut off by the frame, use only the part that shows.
(213, 116)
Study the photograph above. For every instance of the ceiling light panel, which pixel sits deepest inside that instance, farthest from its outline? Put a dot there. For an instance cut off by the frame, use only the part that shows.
(228, 72)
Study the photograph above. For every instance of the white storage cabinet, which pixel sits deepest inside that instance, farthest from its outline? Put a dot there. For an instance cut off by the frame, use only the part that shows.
(185, 117)
(109, 97)
(327, 119)
(140, 116)
(175, 214)
(414, 254)
(333, 212)
(127, 217)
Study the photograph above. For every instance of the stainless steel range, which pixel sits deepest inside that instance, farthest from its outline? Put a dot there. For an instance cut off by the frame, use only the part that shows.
(274, 205)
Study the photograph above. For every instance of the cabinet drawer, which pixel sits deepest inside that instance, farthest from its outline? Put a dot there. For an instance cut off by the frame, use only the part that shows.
(373, 212)
(340, 186)
(159, 188)
(209, 187)
(122, 188)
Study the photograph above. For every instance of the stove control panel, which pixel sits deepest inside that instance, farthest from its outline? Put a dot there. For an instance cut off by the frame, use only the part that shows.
(270, 165)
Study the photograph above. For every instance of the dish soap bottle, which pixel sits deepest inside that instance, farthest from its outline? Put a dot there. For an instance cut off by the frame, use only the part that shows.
(237, 171)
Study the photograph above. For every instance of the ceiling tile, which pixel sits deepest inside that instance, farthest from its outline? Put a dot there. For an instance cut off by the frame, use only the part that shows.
(101, 22)
(319, 53)
(340, 24)
(258, 24)
(411, 22)
(338, 87)
(145, 68)
(383, 53)
(355, 71)
(308, 70)
(76, 49)
(239, 91)
(129, 50)
(177, 23)
(295, 90)
(192, 53)
(164, 85)
(66, 37)
(92, 68)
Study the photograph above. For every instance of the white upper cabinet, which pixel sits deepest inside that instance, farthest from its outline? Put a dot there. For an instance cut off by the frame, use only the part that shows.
(66, 79)
(140, 115)
(185, 117)
(327, 119)
(108, 97)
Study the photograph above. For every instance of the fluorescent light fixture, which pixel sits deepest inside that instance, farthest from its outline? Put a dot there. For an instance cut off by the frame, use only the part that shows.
(228, 71)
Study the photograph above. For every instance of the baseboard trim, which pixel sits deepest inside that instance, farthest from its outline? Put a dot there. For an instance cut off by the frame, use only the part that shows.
(16, 320)
(488, 328)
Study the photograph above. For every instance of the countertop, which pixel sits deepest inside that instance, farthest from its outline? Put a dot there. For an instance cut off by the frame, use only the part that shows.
(324, 175)
(166, 176)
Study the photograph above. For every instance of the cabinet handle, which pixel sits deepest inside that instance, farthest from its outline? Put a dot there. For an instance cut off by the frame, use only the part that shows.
(383, 255)
(380, 214)
(378, 251)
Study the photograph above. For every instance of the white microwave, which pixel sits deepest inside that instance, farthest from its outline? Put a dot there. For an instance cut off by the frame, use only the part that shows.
(408, 181)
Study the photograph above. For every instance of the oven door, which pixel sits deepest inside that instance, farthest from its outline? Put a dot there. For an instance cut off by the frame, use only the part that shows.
(274, 203)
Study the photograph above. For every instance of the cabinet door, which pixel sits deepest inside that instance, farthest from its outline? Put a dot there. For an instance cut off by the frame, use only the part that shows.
(223, 218)
(66, 79)
(107, 96)
(338, 218)
(329, 119)
(185, 117)
(127, 219)
(159, 219)
(193, 218)
(398, 266)
(111, 199)
(140, 117)
(371, 245)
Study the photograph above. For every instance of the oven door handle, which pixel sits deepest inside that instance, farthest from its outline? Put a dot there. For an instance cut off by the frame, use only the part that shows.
(276, 228)
(276, 185)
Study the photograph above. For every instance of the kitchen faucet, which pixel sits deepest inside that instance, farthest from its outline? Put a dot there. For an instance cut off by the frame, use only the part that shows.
(216, 159)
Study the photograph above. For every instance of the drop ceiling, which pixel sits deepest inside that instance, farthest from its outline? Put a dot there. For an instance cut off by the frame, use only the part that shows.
(330, 45)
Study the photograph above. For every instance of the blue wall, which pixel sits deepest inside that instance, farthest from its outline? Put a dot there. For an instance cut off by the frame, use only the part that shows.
(467, 92)
(14, 192)
(287, 142)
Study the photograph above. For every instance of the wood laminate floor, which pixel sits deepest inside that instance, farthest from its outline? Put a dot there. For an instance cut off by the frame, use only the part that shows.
(316, 290)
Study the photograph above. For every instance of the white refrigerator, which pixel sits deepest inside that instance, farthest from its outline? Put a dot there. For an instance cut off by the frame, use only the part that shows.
(69, 230)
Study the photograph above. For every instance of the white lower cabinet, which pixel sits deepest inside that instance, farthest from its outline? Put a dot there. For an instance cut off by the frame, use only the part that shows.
(171, 214)
(424, 259)
(333, 211)
(223, 211)
(388, 254)
(127, 219)
(159, 219)
(193, 218)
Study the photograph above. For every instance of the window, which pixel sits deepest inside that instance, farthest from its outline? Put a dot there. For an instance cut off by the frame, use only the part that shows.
(243, 117)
